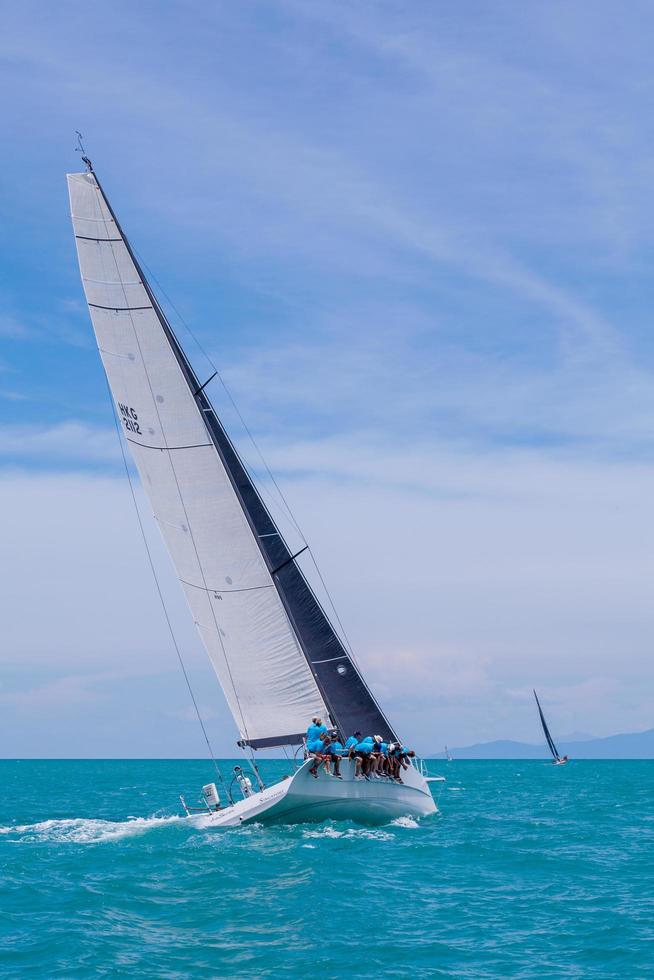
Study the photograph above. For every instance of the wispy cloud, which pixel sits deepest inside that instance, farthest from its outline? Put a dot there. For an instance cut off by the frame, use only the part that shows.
(13, 328)
(64, 443)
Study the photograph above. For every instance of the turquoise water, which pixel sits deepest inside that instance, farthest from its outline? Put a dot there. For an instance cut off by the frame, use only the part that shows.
(528, 871)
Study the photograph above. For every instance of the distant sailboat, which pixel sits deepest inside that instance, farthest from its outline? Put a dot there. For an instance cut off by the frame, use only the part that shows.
(278, 658)
(558, 760)
(447, 754)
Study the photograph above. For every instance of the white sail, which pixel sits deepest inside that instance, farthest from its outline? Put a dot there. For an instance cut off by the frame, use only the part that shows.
(239, 614)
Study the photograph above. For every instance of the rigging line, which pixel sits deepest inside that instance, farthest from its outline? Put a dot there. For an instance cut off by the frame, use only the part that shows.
(160, 593)
(255, 768)
(348, 645)
(170, 458)
(230, 397)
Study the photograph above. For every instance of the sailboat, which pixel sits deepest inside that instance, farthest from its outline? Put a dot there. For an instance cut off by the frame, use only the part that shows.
(448, 755)
(557, 760)
(278, 658)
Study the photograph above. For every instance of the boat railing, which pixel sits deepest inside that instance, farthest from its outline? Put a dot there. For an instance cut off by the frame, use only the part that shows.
(421, 766)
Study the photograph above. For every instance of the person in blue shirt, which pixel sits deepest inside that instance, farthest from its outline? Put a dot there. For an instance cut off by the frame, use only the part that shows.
(320, 750)
(404, 757)
(383, 766)
(314, 731)
(335, 751)
(377, 757)
(394, 753)
(361, 753)
(352, 740)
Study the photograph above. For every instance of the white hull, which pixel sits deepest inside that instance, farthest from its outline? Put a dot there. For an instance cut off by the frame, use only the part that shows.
(301, 798)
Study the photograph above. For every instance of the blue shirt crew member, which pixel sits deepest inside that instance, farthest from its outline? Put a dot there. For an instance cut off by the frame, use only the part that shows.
(314, 731)
(376, 756)
(395, 751)
(362, 751)
(404, 759)
(383, 766)
(351, 744)
(320, 749)
(335, 750)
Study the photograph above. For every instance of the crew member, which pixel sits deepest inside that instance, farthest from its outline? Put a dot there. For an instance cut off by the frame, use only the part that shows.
(320, 750)
(375, 756)
(361, 753)
(335, 751)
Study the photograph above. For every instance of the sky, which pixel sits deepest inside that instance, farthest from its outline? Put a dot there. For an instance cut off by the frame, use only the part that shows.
(417, 241)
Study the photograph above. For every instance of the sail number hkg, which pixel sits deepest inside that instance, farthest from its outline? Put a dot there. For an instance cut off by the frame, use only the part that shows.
(129, 418)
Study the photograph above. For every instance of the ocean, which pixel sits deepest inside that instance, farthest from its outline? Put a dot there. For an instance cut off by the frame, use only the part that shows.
(527, 871)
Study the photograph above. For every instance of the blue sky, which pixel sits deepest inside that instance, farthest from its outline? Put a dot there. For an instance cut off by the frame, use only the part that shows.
(417, 241)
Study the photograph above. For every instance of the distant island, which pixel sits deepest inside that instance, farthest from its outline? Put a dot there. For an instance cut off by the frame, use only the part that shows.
(633, 745)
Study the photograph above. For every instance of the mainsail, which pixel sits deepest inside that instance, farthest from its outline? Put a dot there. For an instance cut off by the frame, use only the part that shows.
(276, 654)
(550, 741)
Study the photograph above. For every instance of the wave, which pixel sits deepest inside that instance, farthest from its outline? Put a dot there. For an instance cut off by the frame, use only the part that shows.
(83, 830)
(363, 833)
(410, 823)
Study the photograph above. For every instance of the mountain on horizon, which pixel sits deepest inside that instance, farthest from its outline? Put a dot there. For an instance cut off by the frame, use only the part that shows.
(631, 745)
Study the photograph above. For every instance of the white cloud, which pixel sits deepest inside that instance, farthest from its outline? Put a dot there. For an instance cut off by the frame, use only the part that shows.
(65, 442)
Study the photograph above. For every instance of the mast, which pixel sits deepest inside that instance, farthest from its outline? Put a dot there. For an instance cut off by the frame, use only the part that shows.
(341, 688)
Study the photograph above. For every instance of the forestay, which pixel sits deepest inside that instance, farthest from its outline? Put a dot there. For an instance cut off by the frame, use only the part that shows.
(242, 620)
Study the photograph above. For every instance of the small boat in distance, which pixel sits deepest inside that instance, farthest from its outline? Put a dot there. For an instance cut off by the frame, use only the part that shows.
(557, 760)
(448, 755)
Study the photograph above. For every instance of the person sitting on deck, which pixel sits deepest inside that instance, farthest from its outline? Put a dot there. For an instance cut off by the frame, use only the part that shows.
(376, 756)
(320, 750)
(383, 766)
(335, 751)
(352, 740)
(361, 753)
(314, 731)
(394, 750)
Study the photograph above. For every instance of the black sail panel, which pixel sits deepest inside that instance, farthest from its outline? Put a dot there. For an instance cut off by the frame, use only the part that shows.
(351, 705)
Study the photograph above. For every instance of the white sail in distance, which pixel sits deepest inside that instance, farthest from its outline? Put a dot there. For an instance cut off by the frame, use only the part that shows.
(245, 628)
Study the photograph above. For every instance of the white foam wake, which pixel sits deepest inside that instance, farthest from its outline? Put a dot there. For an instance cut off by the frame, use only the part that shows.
(363, 833)
(409, 822)
(85, 831)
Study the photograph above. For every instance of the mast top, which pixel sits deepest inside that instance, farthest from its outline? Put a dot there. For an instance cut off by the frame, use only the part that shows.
(80, 149)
